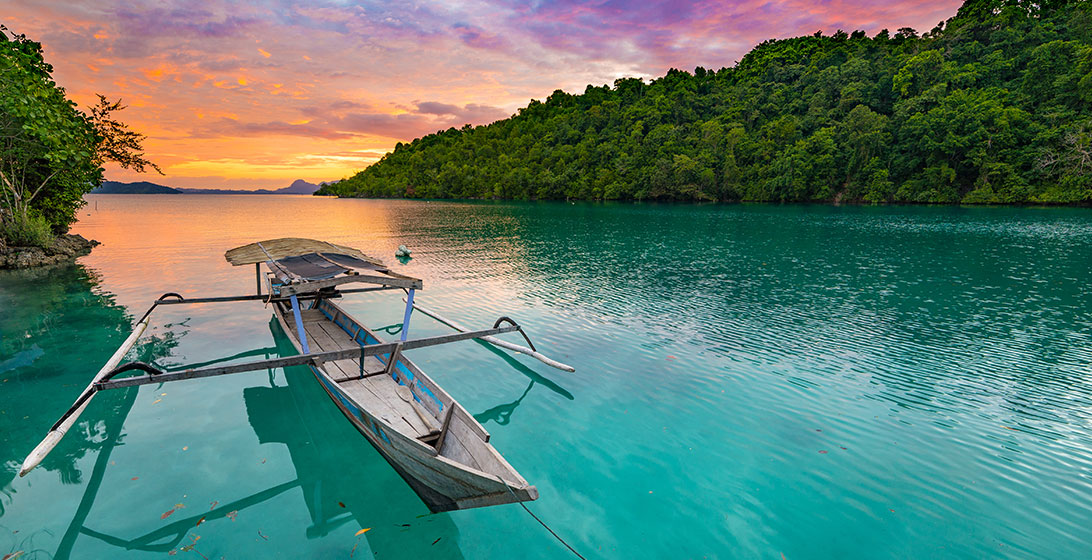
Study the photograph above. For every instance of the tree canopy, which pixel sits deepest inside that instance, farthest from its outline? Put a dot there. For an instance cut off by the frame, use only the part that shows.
(51, 153)
(992, 106)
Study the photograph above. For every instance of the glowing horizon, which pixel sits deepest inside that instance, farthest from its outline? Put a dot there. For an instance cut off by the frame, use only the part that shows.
(244, 97)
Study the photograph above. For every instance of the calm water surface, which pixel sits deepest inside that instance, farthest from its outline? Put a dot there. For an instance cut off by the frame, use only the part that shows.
(752, 382)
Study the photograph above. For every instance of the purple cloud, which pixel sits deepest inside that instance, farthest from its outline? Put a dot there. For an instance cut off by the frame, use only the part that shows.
(474, 36)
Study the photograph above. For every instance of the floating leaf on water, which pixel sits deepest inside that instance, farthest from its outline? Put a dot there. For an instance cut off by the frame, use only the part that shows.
(342, 504)
(782, 556)
(362, 531)
(185, 447)
(179, 506)
(437, 540)
(156, 401)
(822, 451)
(134, 478)
(423, 515)
(172, 552)
(261, 535)
(186, 548)
(231, 514)
(166, 515)
(353, 551)
(200, 521)
(212, 506)
(13, 555)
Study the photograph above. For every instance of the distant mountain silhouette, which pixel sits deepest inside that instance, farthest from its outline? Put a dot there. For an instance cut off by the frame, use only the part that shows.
(140, 187)
(299, 186)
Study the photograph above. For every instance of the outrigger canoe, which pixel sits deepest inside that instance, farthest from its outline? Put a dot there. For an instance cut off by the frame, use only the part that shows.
(436, 446)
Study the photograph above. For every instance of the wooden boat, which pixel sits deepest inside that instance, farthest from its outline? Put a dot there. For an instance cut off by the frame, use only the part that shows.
(436, 446)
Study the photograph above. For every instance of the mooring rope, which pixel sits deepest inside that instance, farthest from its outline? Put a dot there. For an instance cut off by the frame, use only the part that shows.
(540, 521)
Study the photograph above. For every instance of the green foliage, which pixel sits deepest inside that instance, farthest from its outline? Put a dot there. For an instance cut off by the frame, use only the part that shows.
(993, 106)
(27, 230)
(51, 153)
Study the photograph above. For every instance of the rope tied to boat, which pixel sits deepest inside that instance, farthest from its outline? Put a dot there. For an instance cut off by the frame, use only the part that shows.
(540, 521)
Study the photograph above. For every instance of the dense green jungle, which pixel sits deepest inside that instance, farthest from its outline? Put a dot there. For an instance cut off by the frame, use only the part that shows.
(990, 107)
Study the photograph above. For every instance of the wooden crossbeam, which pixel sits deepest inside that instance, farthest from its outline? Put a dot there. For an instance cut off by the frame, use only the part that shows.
(302, 359)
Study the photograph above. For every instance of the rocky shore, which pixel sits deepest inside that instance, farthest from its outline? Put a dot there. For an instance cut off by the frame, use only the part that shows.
(63, 248)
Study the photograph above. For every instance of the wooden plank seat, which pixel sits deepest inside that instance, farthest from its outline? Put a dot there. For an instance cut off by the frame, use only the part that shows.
(377, 390)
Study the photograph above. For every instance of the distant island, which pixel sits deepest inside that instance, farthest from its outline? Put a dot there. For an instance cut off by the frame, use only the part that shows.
(140, 187)
(299, 186)
(993, 106)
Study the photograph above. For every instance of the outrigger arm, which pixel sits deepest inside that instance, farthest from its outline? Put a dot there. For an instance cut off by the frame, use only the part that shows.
(532, 352)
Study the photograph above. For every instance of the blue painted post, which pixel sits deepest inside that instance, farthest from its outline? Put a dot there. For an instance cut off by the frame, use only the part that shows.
(405, 320)
(299, 323)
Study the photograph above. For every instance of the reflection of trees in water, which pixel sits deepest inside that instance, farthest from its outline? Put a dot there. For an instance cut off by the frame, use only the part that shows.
(58, 329)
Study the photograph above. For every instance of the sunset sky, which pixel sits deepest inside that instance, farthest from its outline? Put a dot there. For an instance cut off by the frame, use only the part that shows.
(243, 96)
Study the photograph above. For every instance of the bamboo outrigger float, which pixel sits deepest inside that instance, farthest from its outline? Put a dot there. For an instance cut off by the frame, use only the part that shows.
(437, 447)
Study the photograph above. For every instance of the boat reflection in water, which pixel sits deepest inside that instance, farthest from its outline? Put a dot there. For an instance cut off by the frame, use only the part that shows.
(342, 480)
(502, 414)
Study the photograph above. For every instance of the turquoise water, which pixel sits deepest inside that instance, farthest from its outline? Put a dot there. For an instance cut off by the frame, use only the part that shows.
(752, 382)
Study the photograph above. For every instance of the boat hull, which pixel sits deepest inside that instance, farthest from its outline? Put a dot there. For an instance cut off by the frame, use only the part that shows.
(442, 483)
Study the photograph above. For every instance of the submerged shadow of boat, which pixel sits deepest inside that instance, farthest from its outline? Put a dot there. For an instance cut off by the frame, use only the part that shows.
(342, 477)
(341, 480)
(440, 450)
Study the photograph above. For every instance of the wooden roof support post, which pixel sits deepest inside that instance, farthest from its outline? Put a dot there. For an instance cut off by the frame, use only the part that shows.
(409, 311)
(258, 276)
(302, 334)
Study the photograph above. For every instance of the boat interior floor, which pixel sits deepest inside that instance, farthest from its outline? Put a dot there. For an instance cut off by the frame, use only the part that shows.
(377, 391)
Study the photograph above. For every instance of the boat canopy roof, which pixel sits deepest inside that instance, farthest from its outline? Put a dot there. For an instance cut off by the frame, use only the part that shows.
(307, 265)
(276, 249)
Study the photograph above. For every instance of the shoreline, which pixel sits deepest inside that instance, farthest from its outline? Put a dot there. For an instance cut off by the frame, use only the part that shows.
(1086, 204)
(63, 248)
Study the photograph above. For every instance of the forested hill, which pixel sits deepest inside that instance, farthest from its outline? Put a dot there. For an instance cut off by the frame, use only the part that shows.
(992, 106)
